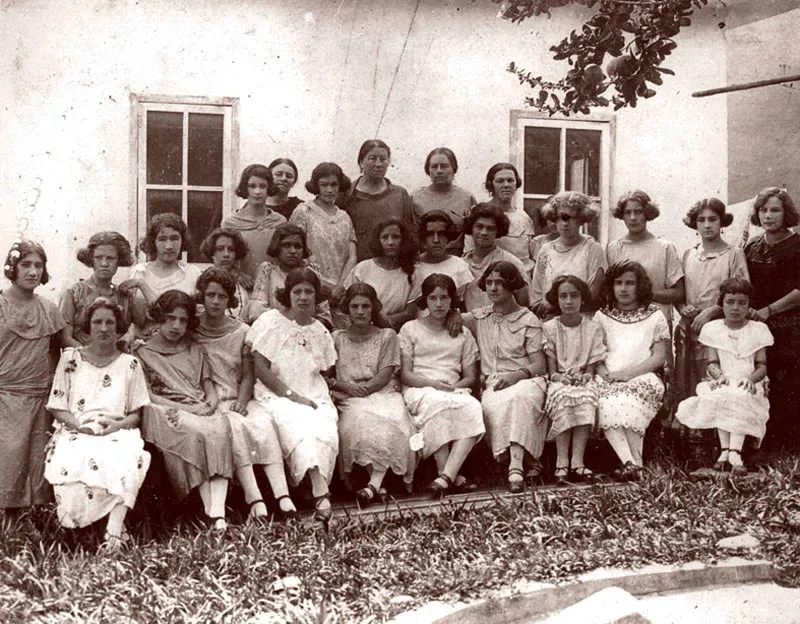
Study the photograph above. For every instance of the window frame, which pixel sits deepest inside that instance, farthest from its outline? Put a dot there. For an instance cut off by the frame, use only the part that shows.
(604, 122)
(140, 105)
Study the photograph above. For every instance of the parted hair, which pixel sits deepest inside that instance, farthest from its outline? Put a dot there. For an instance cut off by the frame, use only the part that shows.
(579, 202)
(295, 277)
(451, 232)
(256, 170)
(501, 166)
(17, 252)
(512, 279)
(407, 257)
(583, 288)
(171, 300)
(734, 286)
(362, 289)
(239, 244)
(104, 303)
(651, 210)
(159, 222)
(273, 190)
(713, 204)
(790, 215)
(324, 170)
(444, 151)
(487, 210)
(370, 144)
(224, 278)
(284, 230)
(85, 255)
(644, 286)
(439, 280)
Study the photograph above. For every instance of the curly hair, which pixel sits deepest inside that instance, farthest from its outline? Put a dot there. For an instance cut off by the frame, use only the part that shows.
(488, 183)
(447, 153)
(583, 288)
(362, 289)
(324, 170)
(439, 280)
(15, 255)
(104, 303)
(579, 202)
(224, 278)
(644, 286)
(158, 223)
(509, 273)
(734, 286)
(85, 255)
(451, 231)
(487, 210)
(369, 145)
(255, 171)
(651, 210)
(790, 215)
(171, 300)
(407, 257)
(295, 277)
(714, 205)
(285, 230)
(240, 246)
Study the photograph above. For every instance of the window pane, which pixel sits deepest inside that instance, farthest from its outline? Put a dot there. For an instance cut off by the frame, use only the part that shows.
(541, 160)
(205, 214)
(164, 147)
(159, 202)
(205, 149)
(583, 161)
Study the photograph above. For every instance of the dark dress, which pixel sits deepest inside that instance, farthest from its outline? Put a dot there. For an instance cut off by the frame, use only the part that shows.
(775, 272)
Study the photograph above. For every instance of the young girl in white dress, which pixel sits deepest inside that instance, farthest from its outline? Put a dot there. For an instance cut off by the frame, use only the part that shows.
(374, 425)
(437, 372)
(574, 346)
(734, 400)
(637, 337)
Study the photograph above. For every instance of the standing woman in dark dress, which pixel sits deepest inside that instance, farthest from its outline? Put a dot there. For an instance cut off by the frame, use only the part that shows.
(773, 261)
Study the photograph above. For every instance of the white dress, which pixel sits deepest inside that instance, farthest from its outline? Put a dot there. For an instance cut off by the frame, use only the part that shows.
(727, 407)
(442, 416)
(184, 278)
(298, 354)
(392, 286)
(452, 266)
(92, 474)
(630, 337)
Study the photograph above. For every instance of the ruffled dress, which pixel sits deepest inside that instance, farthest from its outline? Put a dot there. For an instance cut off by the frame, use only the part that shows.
(254, 439)
(92, 474)
(630, 337)
(506, 343)
(195, 448)
(727, 407)
(298, 354)
(442, 417)
(374, 430)
(574, 348)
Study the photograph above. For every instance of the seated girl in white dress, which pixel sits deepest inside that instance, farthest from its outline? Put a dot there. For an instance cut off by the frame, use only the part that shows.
(734, 398)
(374, 425)
(96, 460)
(437, 372)
(637, 337)
(291, 352)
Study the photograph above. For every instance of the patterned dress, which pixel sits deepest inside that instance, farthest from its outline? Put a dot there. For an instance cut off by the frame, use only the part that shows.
(630, 337)
(329, 238)
(92, 474)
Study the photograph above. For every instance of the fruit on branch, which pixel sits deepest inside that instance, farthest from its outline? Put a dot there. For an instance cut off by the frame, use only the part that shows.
(622, 66)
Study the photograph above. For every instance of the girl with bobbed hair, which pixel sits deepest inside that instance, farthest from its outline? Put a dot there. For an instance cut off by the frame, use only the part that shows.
(773, 261)
(512, 373)
(572, 253)
(374, 425)
(226, 248)
(658, 256)
(104, 253)
(630, 389)
(184, 421)
(441, 165)
(437, 372)
(96, 461)
(374, 198)
(293, 354)
(329, 230)
(255, 220)
(29, 330)
(284, 177)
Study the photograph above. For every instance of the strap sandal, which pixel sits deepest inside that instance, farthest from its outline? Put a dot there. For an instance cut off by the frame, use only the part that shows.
(440, 485)
(367, 495)
(292, 514)
(515, 486)
(323, 514)
(721, 465)
(581, 474)
(561, 473)
(113, 543)
(738, 467)
(252, 517)
(212, 523)
(461, 485)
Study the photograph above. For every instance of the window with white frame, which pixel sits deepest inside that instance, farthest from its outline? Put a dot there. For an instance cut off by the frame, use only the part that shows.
(184, 162)
(555, 155)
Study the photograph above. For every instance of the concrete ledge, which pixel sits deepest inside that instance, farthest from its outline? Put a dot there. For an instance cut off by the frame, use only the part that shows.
(652, 579)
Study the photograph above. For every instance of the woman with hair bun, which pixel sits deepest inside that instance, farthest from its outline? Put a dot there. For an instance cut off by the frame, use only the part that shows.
(284, 176)
(104, 253)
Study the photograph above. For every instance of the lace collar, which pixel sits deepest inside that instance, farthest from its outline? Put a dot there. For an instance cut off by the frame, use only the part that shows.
(630, 316)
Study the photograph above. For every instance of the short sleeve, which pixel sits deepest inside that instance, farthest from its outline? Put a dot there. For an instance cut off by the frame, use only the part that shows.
(62, 382)
(389, 354)
(300, 216)
(549, 338)
(534, 339)
(674, 270)
(327, 350)
(67, 306)
(262, 284)
(405, 342)
(137, 395)
(356, 275)
(469, 350)
(597, 344)
(660, 327)
(261, 337)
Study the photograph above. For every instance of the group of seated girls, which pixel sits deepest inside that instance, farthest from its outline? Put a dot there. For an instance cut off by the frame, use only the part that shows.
(293, 370)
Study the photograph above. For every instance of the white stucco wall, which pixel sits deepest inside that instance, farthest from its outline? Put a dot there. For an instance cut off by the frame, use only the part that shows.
(312, 78)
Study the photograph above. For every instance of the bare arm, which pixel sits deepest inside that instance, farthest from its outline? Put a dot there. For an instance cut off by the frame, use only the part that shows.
(264, 373)
(552, 364)
(673, 294)
(469, 376)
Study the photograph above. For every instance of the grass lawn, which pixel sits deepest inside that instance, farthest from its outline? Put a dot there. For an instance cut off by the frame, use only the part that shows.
(351, 573)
